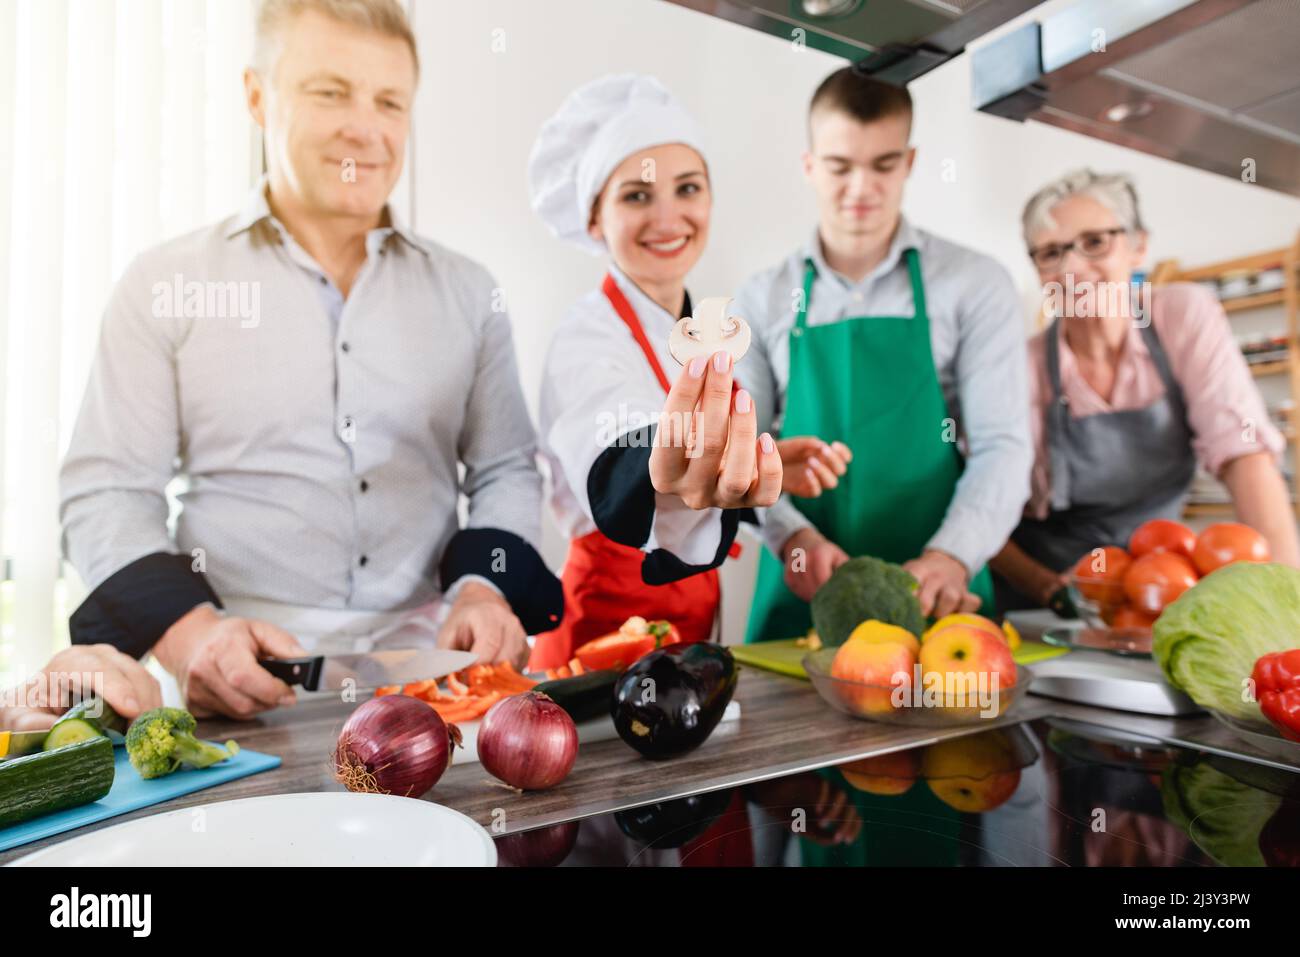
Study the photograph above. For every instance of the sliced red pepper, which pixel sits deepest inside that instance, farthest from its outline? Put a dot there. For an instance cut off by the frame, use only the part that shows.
(622, 648)
(1277, 689)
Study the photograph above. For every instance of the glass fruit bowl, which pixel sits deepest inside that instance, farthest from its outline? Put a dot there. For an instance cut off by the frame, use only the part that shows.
(1098, 602)
(909, 705)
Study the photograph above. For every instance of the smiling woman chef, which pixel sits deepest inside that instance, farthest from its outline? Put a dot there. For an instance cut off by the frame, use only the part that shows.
(619, 170)
(1126, 397)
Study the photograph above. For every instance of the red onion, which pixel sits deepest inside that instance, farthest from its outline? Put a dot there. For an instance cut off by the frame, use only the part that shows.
(528, 741)
(540, 847)
(394, 744)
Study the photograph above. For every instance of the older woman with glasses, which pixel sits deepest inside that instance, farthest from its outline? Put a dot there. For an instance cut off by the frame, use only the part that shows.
(1130, 388)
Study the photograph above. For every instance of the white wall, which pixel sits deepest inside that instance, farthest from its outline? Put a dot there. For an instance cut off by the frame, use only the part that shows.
(494, 70)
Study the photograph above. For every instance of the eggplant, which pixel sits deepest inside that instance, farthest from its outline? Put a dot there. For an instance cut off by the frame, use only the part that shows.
(670, 701)
(670, 824)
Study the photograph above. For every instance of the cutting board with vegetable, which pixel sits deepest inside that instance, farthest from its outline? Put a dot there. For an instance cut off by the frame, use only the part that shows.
(130, 792)
(786, 656)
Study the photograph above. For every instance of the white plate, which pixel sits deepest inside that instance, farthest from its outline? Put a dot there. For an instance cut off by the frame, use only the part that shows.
(319, 829)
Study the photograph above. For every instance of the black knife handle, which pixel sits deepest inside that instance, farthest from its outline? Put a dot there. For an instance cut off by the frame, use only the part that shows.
(296, 671)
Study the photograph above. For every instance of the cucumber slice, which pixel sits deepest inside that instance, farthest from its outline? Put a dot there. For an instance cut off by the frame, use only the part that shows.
(71, 731)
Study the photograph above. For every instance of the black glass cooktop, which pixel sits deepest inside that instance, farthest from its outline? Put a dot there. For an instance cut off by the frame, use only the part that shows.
(1045, 793)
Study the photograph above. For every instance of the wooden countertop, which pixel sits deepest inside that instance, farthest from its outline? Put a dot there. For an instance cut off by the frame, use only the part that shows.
(784, 728)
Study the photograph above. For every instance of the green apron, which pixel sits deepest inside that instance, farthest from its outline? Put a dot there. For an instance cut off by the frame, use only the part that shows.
(870, 382)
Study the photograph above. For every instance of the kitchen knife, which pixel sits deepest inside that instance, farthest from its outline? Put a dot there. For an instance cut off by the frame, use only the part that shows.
(369, 670)
(14, 744)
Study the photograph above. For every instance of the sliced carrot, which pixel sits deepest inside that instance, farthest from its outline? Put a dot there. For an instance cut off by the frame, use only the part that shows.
(387, 689)
(575, 666)
(456, 685)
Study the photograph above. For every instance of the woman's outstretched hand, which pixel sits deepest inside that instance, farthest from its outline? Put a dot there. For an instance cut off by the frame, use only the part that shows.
(706, 449)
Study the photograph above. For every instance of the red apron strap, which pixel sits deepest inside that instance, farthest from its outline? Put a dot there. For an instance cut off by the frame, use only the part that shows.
(628, 315)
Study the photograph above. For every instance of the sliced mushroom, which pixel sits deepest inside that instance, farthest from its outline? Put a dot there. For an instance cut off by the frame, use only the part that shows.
(710, 330)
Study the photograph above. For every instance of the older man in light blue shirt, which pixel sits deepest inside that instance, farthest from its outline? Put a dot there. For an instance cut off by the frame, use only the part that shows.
(328, 384)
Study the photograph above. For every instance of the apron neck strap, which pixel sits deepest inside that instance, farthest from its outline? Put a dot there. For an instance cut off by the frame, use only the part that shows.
(629, 317)
(913, 273)
(1161, 360)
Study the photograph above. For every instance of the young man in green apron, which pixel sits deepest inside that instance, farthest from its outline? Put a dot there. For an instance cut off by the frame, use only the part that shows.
(907, 348)
(911, 351)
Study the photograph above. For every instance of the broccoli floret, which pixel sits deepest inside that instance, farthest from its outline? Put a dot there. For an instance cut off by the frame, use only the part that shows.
(864, 588)
(160, 741)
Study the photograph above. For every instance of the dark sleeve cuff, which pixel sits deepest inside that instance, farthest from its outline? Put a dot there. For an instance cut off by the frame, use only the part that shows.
(619, 490)
(507, 561)
(662, 567)
(136, 605)
(623, 507)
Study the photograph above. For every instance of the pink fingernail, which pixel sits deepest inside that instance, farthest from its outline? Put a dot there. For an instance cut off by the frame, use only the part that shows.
(721, 360)
(766, 442)
(697, 366)
(743, 402)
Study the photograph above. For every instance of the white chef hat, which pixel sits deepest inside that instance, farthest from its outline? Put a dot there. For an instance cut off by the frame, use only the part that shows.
(599, 125)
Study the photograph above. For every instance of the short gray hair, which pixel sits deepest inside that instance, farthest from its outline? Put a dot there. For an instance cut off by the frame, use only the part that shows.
(383, 16)
(1113, 190)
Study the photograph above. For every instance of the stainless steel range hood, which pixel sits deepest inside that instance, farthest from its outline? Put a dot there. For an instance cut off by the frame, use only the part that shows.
(1210, 83)
(895, 40)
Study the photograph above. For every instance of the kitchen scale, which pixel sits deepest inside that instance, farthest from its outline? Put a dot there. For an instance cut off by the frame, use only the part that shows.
(1124, 682)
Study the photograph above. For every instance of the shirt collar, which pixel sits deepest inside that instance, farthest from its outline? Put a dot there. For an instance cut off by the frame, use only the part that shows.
(642, 304)
(257, 208)
(906, 236)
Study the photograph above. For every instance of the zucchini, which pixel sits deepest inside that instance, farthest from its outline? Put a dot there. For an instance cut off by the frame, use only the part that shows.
(91, 718)
(55, 780)
(584, 696)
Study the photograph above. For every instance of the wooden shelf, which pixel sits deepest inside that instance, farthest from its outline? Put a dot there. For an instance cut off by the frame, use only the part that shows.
(1270, 368)
(1258, 301)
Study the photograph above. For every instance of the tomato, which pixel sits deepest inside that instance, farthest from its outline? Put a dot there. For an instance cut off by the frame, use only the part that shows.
(1099, 574)
(1162, 535)
(1130, 617)
(1228, 542)
(1156, 579)
(633, 641)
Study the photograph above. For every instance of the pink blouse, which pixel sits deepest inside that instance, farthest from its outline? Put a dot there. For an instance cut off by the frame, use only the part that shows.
(1225, 410)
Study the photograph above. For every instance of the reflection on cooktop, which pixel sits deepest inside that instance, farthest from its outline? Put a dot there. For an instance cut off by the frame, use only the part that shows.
(1046, 793)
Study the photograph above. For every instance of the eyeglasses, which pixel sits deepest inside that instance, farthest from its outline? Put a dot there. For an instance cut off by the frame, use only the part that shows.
(1093, 244)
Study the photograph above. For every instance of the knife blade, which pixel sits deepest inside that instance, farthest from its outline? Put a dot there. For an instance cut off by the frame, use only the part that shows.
(14, 744)
(369, 670)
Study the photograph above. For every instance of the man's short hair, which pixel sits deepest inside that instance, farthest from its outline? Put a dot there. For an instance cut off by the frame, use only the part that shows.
(383, 16)
(861, 97)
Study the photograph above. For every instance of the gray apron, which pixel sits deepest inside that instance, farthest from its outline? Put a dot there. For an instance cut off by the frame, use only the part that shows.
(1110, 472)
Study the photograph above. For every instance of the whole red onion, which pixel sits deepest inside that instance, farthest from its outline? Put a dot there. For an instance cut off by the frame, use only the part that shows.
(528, 741)
(394, 744)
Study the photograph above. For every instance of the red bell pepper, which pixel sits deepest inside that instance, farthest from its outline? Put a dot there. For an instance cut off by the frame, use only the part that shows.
(635, 639)
(1277, 689)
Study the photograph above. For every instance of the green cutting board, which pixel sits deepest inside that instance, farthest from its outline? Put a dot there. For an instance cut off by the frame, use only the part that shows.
(785, 657)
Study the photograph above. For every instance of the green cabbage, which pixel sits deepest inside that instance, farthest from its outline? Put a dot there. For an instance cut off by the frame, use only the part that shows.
(1220, 814)
(1207, 642)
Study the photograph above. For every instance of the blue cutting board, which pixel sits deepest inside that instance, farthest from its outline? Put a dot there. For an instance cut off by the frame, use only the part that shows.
(130, 792)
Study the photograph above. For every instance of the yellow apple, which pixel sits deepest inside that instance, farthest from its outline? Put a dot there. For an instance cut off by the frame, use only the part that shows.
(1006, 633)
(972, 774)
(886, 774)
(964, 650)
(878, 632)
(872, 663)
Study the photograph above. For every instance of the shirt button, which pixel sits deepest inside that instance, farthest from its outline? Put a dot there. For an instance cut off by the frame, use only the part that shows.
(365, 486)
(363, 561)
(345, 347)
(323, 281)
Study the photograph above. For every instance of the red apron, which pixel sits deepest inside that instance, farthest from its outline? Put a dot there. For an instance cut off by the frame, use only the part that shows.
(602, 578)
